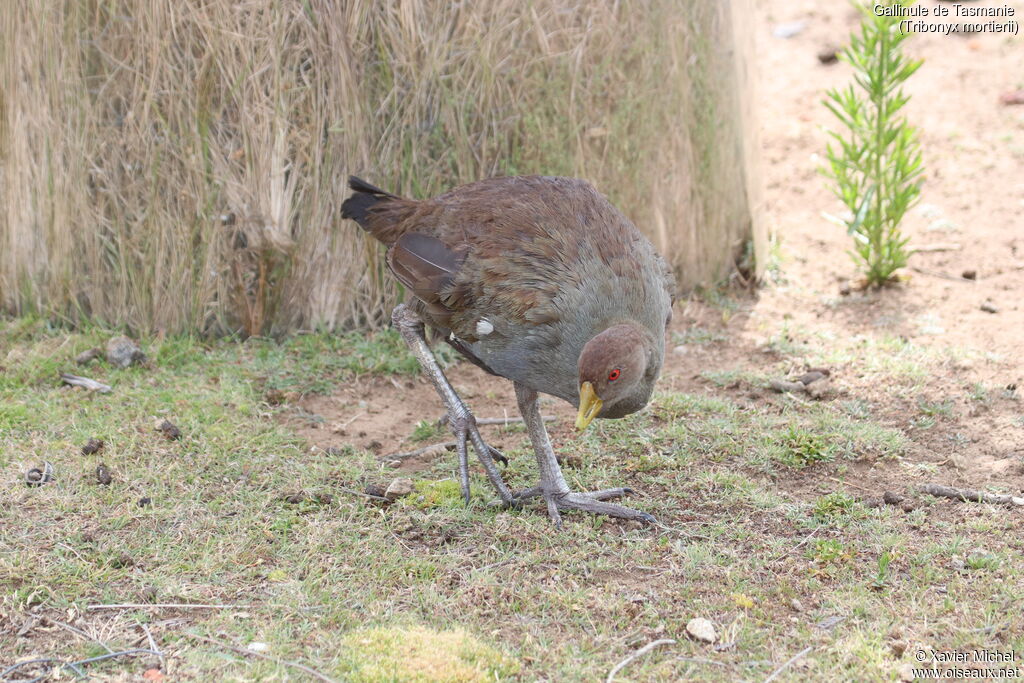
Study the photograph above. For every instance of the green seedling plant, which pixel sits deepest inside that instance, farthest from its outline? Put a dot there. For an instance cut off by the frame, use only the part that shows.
(876, 166)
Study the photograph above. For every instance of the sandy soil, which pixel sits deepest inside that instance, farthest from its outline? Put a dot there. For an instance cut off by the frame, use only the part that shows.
(973, 200)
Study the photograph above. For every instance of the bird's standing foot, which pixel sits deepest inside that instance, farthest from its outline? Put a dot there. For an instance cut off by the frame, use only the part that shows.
(553, 487)
(588, 501)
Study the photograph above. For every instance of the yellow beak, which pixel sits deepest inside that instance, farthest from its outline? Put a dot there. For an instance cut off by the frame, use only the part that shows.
(590, 406)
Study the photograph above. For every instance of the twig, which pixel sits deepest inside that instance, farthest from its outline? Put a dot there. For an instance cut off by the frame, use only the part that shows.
(152, 643)
(970, 495)
(349, 421)
(789, 661)
(639, 653)
(353, 492)
(72, 629)
(699, 660)
(259, 655)
(164, 605)
(84, 382)
(419, 451)
(74, 666)
(793, 549)
(940, 246)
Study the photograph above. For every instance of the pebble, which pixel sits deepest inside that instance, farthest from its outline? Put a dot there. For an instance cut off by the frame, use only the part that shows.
(892, 498)
(828, 54)
(398, 488)
(796, 605)
(92, 446)
(988, 307)
(87, 357)
(701, 629)
(256, 646)
(123, 351)
(789, 29)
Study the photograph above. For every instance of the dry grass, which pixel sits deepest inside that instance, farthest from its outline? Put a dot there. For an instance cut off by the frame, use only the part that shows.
(180, 166)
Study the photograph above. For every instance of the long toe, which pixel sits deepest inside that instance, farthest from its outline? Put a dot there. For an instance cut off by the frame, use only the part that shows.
(607, 494)
(588, 503)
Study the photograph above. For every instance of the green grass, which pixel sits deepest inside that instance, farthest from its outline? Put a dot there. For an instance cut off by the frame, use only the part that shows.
(427, 585)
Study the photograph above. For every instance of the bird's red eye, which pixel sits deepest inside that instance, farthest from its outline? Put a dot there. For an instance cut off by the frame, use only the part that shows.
(613, 375)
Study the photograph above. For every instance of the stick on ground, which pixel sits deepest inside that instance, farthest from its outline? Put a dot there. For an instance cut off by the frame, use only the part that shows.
(970, 495)
(639, 653)
(85, 383)
(789, 662)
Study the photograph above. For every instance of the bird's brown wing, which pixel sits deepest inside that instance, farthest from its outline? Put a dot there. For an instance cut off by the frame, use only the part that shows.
(427, 267)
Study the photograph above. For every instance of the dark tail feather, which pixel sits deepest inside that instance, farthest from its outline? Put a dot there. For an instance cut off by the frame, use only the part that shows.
(366, 197)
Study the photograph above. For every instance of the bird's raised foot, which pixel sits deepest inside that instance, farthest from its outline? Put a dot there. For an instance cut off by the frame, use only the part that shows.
(463, 426)
(445, 421)
(588, 501)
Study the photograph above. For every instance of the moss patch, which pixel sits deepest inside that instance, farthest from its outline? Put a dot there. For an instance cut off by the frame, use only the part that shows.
(420, 654)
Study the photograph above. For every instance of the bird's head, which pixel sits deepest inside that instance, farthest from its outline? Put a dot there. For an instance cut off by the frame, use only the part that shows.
(614, 378)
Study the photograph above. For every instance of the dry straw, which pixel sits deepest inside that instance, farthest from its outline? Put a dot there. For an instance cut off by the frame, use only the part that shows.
(176, 166)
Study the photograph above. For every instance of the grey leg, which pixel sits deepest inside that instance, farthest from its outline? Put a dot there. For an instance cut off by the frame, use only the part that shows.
(553, 487)
(460, 419)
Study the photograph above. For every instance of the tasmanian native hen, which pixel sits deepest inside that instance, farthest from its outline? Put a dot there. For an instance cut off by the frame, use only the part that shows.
(539, 280)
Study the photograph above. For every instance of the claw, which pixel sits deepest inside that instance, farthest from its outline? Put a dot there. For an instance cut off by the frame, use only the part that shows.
(498, 455)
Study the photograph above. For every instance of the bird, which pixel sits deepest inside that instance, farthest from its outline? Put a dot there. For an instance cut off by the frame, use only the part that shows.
(536, 279)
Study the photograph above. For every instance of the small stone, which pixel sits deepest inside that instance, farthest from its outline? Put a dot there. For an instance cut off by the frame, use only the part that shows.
(570, 460)
(398, 488)
(812, 376)
(93, 446)
(828, 54)
(892, 498)
(103, 475)
(789, 29)
(969, 274)
(123, 560)
(819, 388)
(86, 357)
(374, 490)
(845, 289)
(898, 647)
(784, 386)
(701, 629)
(145, 501)
(829, 623)
(989, 307)
(170, 430)
(257, 646)
(796, 605)
(123, 351)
